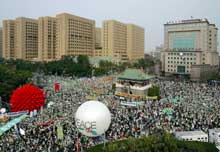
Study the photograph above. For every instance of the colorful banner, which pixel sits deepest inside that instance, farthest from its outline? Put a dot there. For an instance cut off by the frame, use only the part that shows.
(11, 123)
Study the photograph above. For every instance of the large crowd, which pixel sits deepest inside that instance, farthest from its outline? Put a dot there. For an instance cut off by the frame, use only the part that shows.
(196, 107)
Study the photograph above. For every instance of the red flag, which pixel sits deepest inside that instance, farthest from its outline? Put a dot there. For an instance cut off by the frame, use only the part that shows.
(78, 145)
(56, 86)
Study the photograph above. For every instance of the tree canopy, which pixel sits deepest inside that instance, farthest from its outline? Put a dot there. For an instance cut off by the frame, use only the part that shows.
(155, 143)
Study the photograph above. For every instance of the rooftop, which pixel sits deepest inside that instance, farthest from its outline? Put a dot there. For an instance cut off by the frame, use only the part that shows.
(189, 133)
(189, 21)
(134, 74)
(215, 129)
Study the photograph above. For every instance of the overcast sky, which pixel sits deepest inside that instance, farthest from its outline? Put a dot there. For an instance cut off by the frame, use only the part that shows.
(150, 14)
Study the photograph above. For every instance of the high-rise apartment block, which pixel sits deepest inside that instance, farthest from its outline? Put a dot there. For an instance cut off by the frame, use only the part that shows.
(48, 38)
(51, 38)
(135, 42)
(187, 43)
(26, 38)
(8, 51)
(75, 35)
(1, 42)
(114, 39)
(122, 41)
(20, 39)
(47, 32)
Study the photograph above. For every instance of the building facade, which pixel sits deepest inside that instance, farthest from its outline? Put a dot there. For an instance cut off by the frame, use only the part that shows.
(47, 31)
(8, 31)
(114, 40)
(98, 52)
(20, 38)
(98, 35)
(51, 38)
(203, 72)
(26, 38)
(214, 136)
(135, 42)
(156, 53)
(187, 43)
(75, 35)
(122, 41)
(1, 41)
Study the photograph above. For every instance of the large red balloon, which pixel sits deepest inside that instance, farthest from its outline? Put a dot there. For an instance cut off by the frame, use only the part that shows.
(27, 97)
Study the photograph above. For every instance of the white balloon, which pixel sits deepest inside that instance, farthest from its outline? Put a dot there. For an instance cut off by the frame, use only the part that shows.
(93, 118)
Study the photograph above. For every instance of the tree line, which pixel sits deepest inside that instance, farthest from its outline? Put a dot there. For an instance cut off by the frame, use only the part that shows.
(14, 73)
(161, 142)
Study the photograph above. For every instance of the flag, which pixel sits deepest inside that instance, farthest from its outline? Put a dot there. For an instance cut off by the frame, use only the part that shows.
(57, 86)
(78, 145)
(60, 132)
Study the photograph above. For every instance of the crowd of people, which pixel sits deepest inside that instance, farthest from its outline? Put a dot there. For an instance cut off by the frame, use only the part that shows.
(196, 107)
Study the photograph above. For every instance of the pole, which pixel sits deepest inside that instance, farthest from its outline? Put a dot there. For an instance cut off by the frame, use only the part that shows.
(104, 137)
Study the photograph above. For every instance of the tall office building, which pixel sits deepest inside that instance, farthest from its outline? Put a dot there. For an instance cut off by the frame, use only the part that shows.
(75, 35)
(47, 38)
(26, 42)
(188, 43)
(51, 38)
(20, 39)
(114, 39)
(8, 31)
(1, 41)
(125, 42)
(135, 42)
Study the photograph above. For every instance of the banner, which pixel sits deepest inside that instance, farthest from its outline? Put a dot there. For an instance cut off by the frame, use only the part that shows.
(11, 123)
(130, 104)
(152, 98)
(60, 132)
(91, 97)
(15, 114)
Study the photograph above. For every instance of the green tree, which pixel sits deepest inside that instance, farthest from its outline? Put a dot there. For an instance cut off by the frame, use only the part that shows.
(154, 91)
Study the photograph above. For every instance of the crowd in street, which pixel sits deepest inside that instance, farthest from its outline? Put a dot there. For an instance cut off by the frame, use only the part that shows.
(196, 107)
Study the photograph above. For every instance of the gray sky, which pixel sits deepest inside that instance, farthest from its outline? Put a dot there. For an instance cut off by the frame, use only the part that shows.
(150, 14)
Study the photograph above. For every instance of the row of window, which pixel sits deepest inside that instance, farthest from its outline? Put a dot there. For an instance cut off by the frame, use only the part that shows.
(189, 63)
(175, 70)
(181, 58)
(184, 54)
(199, 139)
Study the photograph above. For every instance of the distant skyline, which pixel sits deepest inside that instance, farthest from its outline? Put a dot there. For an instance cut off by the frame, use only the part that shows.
(150, 14)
